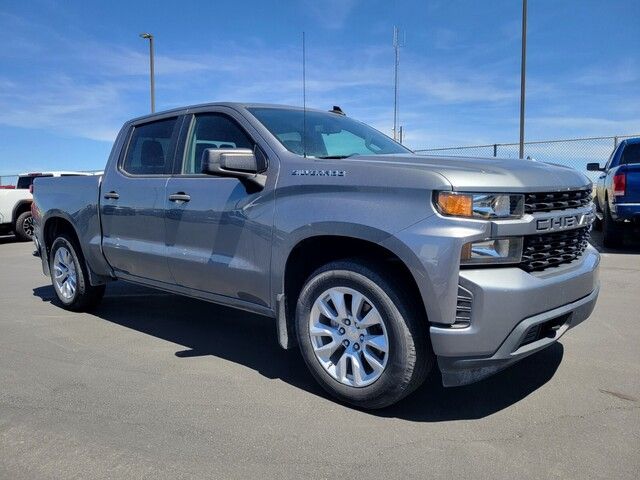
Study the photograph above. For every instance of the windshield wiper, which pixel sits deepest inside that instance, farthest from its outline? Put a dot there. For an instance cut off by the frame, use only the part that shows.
(337, 157)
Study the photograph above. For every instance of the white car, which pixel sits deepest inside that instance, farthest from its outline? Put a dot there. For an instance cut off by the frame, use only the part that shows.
(15, 203)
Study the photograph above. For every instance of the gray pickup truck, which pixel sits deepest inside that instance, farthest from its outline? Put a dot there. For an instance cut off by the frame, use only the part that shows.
(377, 263)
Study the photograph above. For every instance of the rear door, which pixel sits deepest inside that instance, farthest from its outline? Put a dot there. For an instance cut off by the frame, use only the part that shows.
(219, 229)
(133, 201)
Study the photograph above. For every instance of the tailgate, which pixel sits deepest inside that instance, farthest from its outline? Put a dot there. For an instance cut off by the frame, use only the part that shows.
(632, 192)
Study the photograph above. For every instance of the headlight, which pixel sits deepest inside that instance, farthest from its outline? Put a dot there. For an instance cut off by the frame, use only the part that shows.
(480, 205)
(497, 250)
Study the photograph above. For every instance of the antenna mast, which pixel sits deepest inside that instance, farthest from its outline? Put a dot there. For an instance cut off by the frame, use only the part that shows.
(396, 48)
(304, 98)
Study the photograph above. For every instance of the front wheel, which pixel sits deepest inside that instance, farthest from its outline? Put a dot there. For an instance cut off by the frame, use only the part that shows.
(69, 277)
(360, 336)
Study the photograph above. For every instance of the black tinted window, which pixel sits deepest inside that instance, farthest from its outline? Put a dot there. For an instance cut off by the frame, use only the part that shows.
(26, 182)
(150, 149)
(212, 131)
(631, 154)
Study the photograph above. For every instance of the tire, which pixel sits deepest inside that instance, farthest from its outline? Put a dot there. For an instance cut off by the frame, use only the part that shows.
(24, 226)
(66, 258)
(597, 222)
(409, 356)
(612, 231)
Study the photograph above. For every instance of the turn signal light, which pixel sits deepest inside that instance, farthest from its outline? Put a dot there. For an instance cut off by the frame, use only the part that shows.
(459, 205)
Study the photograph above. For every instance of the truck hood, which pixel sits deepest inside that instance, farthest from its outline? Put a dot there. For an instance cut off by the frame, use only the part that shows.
(488, 174)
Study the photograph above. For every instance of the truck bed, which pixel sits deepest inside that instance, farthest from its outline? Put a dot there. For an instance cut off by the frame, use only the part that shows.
(75, 199)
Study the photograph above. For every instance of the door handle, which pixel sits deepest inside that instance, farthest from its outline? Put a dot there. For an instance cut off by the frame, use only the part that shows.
(179, 197)
(111, 195)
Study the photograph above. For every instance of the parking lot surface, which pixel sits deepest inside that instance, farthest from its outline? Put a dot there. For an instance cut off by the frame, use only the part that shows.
(153, 385)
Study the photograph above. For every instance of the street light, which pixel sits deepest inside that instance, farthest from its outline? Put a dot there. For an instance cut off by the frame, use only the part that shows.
(151, 72)
(523, 63)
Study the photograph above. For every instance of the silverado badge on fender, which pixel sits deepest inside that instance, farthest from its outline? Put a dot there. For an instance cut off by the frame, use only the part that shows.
(320, 173)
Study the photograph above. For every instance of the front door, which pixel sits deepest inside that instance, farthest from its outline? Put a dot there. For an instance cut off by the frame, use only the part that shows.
(218, 229)
(133, 197)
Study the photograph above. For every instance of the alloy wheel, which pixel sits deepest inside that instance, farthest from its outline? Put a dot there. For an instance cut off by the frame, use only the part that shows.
(348, 336)
(64, 271)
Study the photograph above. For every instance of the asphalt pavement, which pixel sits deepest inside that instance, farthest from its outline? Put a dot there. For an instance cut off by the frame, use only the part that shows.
(154, 385)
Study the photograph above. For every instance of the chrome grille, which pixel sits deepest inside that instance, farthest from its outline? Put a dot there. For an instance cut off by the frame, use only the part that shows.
(463, 308)
(549, 201)
(551, 249)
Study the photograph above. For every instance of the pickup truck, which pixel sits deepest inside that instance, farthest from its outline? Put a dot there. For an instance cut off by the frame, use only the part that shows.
(375, 262)
(15, 204)
(617, 197)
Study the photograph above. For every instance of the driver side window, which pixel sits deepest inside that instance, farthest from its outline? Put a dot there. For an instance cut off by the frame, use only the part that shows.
(212, 130)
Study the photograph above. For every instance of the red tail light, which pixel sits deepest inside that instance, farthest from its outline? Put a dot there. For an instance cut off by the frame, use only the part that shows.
(619, 184)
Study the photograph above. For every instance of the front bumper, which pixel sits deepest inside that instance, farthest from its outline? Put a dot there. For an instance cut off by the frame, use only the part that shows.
(507, 304)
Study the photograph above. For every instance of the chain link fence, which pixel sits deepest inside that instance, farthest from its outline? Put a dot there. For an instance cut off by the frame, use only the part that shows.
(572, 152)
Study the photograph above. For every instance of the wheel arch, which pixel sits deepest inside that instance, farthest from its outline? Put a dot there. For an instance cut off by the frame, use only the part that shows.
(54, 226)
(19, 208)
(311, 252)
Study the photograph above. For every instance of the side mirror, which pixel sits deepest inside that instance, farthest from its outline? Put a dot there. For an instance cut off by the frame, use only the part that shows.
(238, 163)
(594, 167)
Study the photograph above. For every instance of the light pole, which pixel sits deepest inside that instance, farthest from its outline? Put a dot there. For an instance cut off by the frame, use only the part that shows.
(523, 63)
(151, 70)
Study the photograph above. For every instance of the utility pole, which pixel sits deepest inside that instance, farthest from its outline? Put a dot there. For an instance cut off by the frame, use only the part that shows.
(396, 48)
(523, 69)
(151, 70)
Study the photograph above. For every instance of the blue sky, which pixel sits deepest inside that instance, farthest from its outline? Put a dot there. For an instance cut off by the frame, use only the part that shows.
(72, 72)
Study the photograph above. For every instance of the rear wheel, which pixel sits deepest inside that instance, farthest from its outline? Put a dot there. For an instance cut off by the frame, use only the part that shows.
(612, 231)
(360, 336)
(69, 277)
(24, 226)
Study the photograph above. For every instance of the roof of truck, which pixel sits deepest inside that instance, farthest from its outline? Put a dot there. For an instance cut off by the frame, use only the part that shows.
(236, 105)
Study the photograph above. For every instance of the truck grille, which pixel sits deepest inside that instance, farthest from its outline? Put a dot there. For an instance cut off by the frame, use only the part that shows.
(551, 249)
(547, 202)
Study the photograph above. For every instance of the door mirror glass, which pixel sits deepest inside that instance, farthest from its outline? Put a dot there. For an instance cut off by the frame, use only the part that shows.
(594, 167)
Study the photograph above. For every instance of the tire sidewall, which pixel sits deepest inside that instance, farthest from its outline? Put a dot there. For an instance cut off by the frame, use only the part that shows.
(397, 365)
(80, 279)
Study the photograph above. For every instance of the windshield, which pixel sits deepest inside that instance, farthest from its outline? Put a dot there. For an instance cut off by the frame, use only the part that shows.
(328, 135)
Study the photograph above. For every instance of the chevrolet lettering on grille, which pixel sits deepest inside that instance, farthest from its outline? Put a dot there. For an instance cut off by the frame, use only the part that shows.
(566, 222)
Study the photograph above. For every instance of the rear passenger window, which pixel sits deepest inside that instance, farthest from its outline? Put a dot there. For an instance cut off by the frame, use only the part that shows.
(212, 130)
(150, 149)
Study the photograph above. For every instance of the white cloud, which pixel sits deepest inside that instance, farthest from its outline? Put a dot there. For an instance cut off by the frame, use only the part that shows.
(331, 14)
(64, 105)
